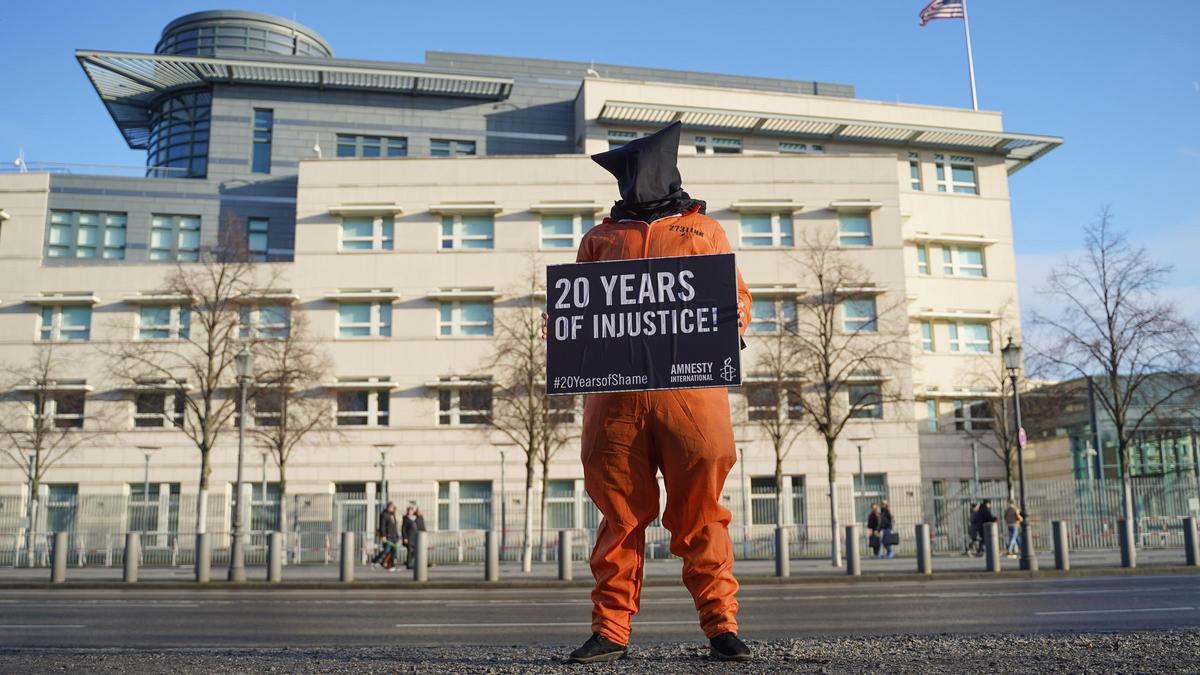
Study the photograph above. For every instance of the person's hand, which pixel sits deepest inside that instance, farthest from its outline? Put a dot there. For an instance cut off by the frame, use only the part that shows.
(741, 312)
(545, 331)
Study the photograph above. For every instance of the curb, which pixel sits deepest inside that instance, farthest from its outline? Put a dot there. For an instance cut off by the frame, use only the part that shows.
(453, 584)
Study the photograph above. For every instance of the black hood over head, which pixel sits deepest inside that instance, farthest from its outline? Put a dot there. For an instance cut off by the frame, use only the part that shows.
(648, 177)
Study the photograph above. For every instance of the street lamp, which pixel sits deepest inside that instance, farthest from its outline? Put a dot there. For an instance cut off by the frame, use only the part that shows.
(503, 448)
(244, 362)
(862, 477)
(147, 450)
(744, 437)
(383, 449)
(1011, 357)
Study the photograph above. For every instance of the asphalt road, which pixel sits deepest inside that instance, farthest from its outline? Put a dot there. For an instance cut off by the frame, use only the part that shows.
(245, 618)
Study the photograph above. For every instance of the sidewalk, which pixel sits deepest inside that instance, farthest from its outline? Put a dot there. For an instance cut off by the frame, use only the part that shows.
(657, 571)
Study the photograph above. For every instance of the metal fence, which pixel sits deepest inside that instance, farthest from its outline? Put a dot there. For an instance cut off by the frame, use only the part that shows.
(96, 524)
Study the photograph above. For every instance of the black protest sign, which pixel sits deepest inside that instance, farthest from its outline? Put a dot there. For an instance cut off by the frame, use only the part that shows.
(649, 323)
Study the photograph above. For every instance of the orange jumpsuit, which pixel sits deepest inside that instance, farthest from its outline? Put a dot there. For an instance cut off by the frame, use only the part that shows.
(686, 433)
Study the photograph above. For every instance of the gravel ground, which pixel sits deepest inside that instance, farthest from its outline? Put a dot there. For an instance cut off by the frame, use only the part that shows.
(1157, 652)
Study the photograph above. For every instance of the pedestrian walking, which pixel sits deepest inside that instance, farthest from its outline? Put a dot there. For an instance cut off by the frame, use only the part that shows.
(408, 535)
(873, 531)
(975, 545)
(1013, 519)
(985, 516)
(887, 529)
(388, 533)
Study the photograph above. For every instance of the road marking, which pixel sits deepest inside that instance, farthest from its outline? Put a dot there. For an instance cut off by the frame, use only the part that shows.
(1116, 611)
(23, 626)
(534, 625)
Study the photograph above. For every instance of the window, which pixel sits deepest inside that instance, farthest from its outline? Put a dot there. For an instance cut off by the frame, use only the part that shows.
(65, 323)
(264, 121)
(767, 229)
(464, 405)
(963, 261)
(914, 171)
(268, 407)
(926, 336)
(800, 148)
(368, 233)
(866, 401)
(931, 415)
(468, 232)
(772, 315)
(349, 145)
(264, 506)
(858, 315)
(560, 504)
(164, 322)
(363, 407)
(365, 319)
(60, 507)
(565, 230)
(922, 260)
(561, 409)
(61, 409)
(265, 321)
(762, 403)
(869, 489)
(854, 229)
(150, 409)
(257, 230)
(465, 505)
(958, 177)
(86, 234)
(973, 416)
(764, 506)
(711, 145)
(145, 501)
(618, 138)
(441, 147)
(970, 337)
(467, 317)
(175, 238)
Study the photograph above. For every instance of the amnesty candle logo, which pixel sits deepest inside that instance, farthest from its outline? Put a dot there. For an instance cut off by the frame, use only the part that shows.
(728, 372)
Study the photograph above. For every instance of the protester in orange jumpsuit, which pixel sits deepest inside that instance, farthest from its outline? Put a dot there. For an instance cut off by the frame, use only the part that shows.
(629, 437)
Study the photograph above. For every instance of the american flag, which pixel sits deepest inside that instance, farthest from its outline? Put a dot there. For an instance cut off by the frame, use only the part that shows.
(942, 9)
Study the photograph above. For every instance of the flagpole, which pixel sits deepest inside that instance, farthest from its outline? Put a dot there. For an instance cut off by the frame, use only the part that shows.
(970, 57)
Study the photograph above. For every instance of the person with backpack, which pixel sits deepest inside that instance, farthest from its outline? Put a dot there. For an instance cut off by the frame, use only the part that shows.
(388, 534)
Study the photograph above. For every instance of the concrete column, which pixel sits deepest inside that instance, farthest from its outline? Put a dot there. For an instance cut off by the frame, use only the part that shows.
(1062, 554)
(203, 558)
(58, 559)
(347, 557)
(783, 562)
(924, 550)
(853, 563)
(1125, 537)
(133, 551)
(565, 573)
(1028, 555)
(1191, 542)
(991, 543)
(421, 558)
(275, 558)
(491, 565)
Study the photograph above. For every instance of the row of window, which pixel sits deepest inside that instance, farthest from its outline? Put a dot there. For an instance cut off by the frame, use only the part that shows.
(173, 237)
(961, 337)
(774, 315)
(968, 415)
(957, 261)
(714, 145)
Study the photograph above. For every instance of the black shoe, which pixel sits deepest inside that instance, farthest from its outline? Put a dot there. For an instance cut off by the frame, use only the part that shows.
(729, 647)
(598, 649)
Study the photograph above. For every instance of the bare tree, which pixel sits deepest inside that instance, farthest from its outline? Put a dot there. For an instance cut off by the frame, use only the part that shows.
(772, 392)
(846, 357)
(291, 402)
(41, 423)
(1113, 330)
(200, 362)
(536, 423)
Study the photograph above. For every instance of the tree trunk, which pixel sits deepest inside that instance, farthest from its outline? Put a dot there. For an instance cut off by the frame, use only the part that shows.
(202, 495)
(31, 531)
(780, 518)
(542, 511)
(283, 521)
(527, 545)
(835, 542)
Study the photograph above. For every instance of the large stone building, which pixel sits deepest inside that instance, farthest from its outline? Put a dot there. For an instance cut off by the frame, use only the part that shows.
(400, 207)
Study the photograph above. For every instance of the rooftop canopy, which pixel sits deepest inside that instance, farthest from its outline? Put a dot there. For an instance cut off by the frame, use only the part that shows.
(1019, 149)
(130, 83)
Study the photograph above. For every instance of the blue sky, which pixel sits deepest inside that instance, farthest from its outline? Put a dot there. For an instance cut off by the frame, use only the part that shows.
(1122, 86)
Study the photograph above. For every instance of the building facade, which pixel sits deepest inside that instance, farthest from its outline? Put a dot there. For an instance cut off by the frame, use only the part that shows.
(400, 207)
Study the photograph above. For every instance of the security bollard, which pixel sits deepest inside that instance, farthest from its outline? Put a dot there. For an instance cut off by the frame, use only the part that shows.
(347, 558)
(924, 552)
(58, 559)
(491, 565)
(421, 558)
(1191, 542)
(1062, 556)
(1125, 536)
(1029, 559)
(203, 558)
(565, 573)
(275, 558)
(783, 562)
(853, 564)
(991, 541)
(133, 551)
